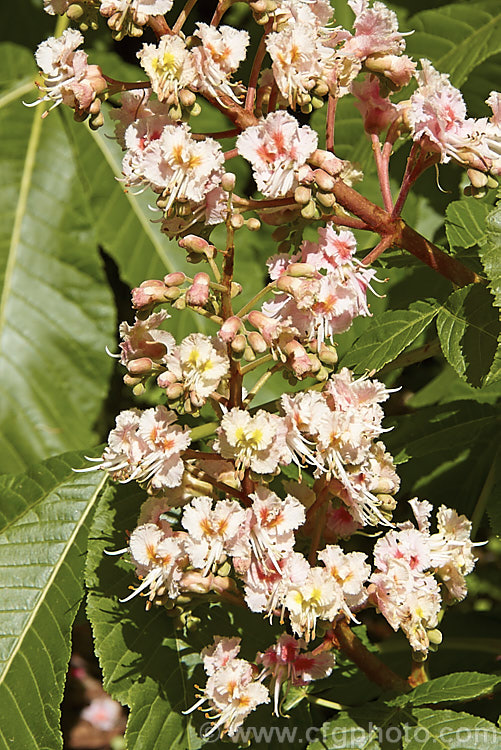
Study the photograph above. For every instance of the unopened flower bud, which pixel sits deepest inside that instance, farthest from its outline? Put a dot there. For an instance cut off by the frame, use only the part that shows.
(310, 211)
(298, 270)
(187, 98)
(174, 391)
(253, 224)
(193, 243)
(130, 381)
(172, 293)
(198, 293)
(477, 179)
(326, 200)
(165, 379)
(140, 366)
(324, 181)
(327, 161)
(139, 389)
(249, 355)
(174, 279)
(228, 181)
(302, 195)
(237, 221)
(257, 342)
(327, 355)
(239, 343)
(236, 289)
(321, 88)
(229, 329)
(149, 293)
(388, 503)
(435, 636)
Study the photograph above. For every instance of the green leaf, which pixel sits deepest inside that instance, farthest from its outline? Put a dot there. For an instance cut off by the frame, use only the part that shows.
(457, 37)
(450, 427)
(344, 732)
(465, 223)
(44, 524)
(56, 311)
(449, 730)
(468, 328)
(388, 336)
(459, 686)
(146, 665)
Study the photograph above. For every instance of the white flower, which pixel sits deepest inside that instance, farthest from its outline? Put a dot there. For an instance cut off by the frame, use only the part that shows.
(219, 55)
(276, 148)
(256, 442)
(319, 598)
(169, 67)
(199, 363)
(210, 530)
(157, 557)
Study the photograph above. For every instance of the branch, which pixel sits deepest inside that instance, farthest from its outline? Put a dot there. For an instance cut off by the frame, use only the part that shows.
(371, 665)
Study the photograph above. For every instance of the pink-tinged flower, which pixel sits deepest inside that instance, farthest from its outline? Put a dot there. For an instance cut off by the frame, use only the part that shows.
(376, 31)
(339, 523)
(270, 525)
(232, 693)
(304, 412)
(218, 56)
(437, 112)
(319, 598)
(256, 442)
(288, 664)
(146, 339)
(314, 13)
(407, 601)
(162, 465)
(378, 112)
(68, 78)
(136, 106)
(219, 653)
(299, 60)
(159, 559)
(277, 148)
(169, 67)
(494, 102)
(267, 585)
(103, 713)
(211, 531)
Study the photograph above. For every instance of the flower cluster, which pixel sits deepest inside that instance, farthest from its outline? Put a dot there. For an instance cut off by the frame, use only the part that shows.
(253, 505)
(410, 564)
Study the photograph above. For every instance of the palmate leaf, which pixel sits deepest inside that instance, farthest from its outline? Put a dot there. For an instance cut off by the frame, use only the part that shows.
(56, 311)
(44, 524)
(457, 37)
(468, 327)
(145, 664)
(391, 333)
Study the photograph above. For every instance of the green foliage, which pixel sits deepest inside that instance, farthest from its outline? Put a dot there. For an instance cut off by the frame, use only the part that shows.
(44, 527)
(56, 310)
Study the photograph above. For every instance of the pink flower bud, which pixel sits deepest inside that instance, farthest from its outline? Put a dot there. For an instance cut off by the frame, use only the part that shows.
(257, 342)
(229, 329)
(198, 292)
(149, 293)
(140, 366)
(174, 279)
(193, 244)
(326, 161)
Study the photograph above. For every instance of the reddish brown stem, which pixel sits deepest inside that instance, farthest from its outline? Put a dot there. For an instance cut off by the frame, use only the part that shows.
(183, 16)
(221, 134)
(256, 67)
(221, 9)
(159, 26)
(272, 101)
(347, 221)
(375, 669)
(382, 172)
(230, 154)
(330, 122)
(381, 246)
(417, 163)
(418, 673)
